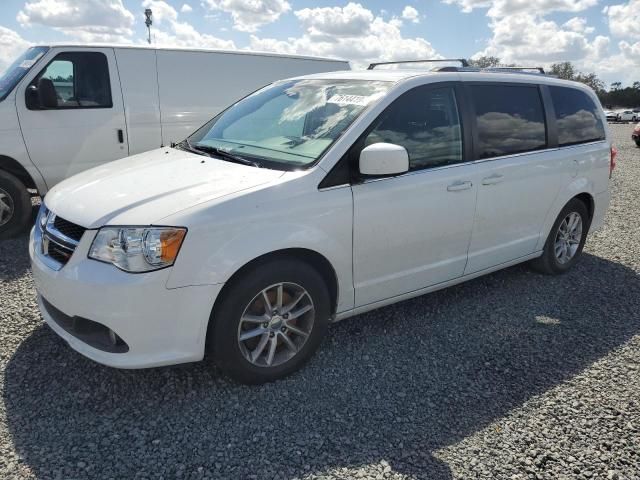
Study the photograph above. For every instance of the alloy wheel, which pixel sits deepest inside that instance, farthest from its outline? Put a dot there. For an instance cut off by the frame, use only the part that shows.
(276, 324)
(6, 207)
(568, 237)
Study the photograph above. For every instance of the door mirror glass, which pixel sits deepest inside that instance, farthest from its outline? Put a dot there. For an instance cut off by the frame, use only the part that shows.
(381, 159)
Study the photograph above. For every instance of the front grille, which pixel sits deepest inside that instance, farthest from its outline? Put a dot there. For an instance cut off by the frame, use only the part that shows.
(69, 229)
(60, 238)
(59, 253)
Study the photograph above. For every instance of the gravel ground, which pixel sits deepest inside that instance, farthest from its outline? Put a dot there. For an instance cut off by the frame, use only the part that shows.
(513, 375)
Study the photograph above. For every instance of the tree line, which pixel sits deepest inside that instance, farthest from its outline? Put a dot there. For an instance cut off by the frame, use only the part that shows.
(616, 95)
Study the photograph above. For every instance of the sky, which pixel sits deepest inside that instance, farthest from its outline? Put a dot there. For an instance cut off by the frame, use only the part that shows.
(600, 36)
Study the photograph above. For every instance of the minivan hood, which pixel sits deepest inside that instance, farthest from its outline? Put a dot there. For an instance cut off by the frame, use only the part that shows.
(145, 188)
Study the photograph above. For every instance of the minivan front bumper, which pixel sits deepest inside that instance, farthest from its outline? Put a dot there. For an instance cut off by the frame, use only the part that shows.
(151, 324)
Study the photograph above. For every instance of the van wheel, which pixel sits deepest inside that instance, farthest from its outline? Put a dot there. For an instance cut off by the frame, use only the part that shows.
(637, 143)
(270, 321)
(15, 205)
(565, 241)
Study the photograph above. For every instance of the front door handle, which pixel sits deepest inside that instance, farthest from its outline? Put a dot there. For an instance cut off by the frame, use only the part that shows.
(120, 135)
(459, 185)
(493, 179)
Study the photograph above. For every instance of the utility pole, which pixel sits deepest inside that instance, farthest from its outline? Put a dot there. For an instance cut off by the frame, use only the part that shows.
(148, 22)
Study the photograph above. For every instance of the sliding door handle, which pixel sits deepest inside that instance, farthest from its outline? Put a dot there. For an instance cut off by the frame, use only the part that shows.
(492, 179)
(120, 135)
(459, 185)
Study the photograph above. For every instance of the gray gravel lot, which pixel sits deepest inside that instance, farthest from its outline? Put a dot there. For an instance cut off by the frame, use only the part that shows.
(514, 375)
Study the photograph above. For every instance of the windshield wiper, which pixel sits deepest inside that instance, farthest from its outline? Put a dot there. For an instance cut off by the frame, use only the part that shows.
(224, 154)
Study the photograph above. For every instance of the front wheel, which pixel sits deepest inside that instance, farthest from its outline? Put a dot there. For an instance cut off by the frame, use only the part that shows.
(270, 321)
(565, 241)
(15, 205)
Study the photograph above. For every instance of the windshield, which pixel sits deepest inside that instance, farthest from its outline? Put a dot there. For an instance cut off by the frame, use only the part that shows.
(289, 124)
(18, 69)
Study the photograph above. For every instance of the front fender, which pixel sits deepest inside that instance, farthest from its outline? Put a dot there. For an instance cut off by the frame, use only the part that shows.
(231, 234)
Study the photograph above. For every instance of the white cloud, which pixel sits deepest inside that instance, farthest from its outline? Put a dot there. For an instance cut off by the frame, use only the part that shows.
(171, 32)
(578, 24)
(11, 45)
(186, 8)
(350, 21)
(411, 14)
(624, 19)
(249, 15)
(352, 32)
(500, 8)
(84, 20)
(529, 39)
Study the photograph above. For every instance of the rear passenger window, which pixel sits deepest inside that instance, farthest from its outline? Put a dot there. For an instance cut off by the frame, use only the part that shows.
(510, 119)
(425, 122)
(77, 80)
(577, 116)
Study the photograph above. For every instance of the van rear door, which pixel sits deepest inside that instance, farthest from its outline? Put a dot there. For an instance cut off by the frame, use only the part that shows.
(83, 124)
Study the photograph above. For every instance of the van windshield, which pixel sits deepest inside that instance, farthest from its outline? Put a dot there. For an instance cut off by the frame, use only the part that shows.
(18, 69)
(289, 124)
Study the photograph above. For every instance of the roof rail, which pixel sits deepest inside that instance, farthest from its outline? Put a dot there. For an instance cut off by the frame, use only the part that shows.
(515, 69)
(462, 61)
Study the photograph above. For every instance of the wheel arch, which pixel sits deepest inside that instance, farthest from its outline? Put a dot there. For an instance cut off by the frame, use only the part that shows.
(308, 256)
(588, 201)
(16, 169)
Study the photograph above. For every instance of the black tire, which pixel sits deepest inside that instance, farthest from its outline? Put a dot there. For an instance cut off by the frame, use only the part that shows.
(548, 263)
(223, 343)
(16, 206)
(637, 143)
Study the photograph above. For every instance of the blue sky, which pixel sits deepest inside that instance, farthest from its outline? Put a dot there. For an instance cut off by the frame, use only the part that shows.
(597, 35)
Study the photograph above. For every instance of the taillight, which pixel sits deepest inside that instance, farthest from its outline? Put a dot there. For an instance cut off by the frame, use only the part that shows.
(612, 163)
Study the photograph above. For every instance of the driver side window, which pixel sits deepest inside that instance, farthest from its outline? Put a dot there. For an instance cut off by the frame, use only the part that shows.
(425, 121)
(76, 80)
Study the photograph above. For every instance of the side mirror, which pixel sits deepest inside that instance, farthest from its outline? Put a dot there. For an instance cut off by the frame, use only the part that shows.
(31, 98)
(47, 93)
(382, 159)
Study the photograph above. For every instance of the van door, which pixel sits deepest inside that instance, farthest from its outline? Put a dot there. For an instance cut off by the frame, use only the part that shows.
(83, 124)
(517, 177)
(412, 231)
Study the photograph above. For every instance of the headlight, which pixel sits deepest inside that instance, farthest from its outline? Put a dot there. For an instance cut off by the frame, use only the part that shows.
(138, 249)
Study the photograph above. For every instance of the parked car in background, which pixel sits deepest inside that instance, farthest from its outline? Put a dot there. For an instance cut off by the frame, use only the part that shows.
(635, 135)
(67, 108)
(628, 116)
(611, 116)
(313, 200)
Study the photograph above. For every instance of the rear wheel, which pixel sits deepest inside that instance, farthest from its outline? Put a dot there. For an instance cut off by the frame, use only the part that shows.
(270, 321)
(638, 143)
(565, 241)
(15, 206)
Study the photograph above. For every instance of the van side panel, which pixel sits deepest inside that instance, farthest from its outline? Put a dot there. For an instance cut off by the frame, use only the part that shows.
(195, 86)
(139, 82)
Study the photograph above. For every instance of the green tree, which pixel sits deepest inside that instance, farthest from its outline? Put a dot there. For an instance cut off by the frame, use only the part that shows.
(564, 70)
(485, 62)
(616, 85)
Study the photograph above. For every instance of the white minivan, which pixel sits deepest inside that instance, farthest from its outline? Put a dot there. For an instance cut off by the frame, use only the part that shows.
(67, 108)
(315, 199)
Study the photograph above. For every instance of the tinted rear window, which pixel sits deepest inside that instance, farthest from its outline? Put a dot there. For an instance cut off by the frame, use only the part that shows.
(577, 116)
(510, 119)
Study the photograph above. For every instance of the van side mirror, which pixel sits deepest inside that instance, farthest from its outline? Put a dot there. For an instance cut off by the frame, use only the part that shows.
(31, 98)
(381, 159)
(47, 93)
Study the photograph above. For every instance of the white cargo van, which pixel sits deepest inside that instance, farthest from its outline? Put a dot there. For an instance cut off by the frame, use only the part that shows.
(67, 108)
